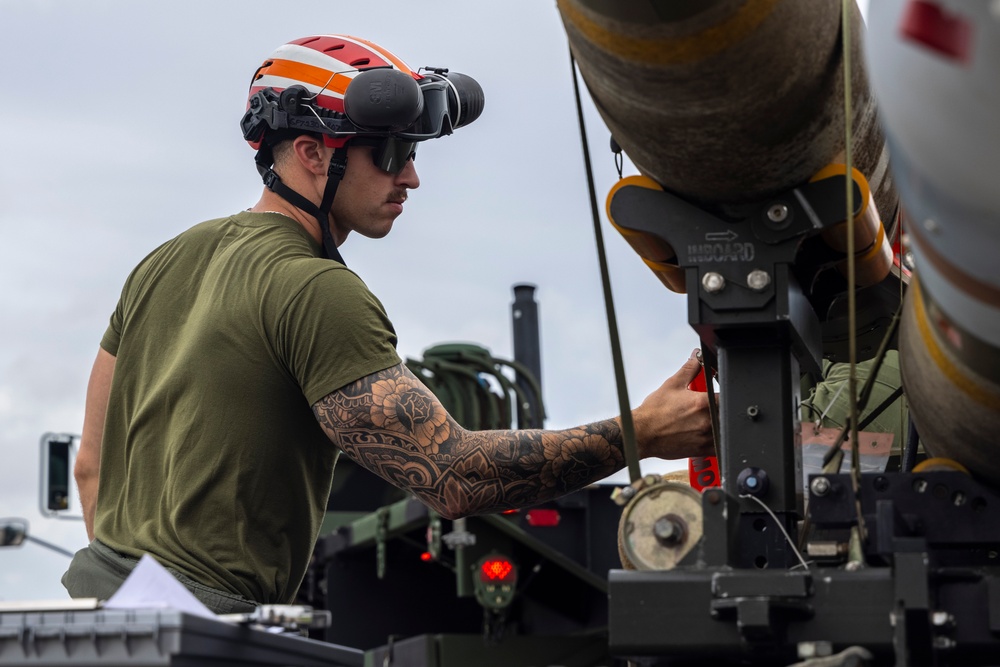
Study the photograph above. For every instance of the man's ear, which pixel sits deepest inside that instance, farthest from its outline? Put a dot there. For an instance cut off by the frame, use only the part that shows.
(311, 154)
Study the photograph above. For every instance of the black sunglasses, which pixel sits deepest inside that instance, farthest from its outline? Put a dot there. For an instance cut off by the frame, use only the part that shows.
(388, 153)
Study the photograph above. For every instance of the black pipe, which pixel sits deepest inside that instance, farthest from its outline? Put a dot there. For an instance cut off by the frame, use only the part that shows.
(527, 349)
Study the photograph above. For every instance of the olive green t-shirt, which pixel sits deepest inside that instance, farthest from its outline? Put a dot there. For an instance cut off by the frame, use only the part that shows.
(830, 399)
(212, 459)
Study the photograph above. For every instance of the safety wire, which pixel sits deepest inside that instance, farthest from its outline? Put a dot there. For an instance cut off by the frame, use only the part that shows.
(846, 11)
(781, 527)
(628, 427)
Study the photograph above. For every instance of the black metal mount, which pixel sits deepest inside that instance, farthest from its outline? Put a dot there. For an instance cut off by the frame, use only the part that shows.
(906, 565)
(747, 307)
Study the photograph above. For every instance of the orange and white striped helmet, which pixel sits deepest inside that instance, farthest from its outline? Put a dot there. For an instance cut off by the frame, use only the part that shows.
(324, 65)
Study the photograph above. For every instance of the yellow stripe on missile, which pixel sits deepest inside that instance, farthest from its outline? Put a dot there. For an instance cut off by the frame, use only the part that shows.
(968, 385)
(667, 51)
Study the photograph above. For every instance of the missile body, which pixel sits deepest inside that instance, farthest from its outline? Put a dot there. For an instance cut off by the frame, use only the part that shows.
(725, 102)
(934, 67)
(728, 101)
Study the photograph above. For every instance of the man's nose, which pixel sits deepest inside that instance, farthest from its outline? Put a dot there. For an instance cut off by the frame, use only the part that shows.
(407, 176)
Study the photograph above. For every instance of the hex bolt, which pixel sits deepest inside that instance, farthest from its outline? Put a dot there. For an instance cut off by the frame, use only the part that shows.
(944, 643)
(820, 486)
(777, 213)
(713, 282)
(758, 280)
(628, 492)
(942, 619)
(814, 649)
(668, 530)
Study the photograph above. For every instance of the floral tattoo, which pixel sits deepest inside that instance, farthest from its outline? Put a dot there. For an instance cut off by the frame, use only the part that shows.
(391, 424)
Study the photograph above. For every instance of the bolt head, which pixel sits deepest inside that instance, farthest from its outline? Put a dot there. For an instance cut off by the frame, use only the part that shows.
(942, 619)
(665, 529)
(713, 282)
(668, 530)
(758, 280)
(820, 486)
(777, 213)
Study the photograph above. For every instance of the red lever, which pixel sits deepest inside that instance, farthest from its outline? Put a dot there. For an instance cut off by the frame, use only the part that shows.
(703, 471)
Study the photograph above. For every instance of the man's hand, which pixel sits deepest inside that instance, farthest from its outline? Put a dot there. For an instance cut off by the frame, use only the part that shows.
(673, 422)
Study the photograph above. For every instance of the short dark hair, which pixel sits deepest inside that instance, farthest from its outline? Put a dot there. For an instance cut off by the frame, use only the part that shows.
(281, 151)
(280, 144)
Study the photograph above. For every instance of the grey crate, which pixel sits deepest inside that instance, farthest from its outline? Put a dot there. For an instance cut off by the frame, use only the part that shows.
(126, 638)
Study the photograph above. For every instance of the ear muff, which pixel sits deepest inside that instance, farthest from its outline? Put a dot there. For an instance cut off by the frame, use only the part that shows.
(383, 99)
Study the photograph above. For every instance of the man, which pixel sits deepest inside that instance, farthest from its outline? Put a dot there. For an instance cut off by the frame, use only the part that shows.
(244, 356)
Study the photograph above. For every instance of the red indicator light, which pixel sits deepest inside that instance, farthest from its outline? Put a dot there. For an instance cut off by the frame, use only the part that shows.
(543, 518)
(497, 570)
(506, 512)
(426, 556)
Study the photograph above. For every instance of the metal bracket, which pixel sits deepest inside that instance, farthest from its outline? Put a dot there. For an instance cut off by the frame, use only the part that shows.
(762, 602)
(381, 536)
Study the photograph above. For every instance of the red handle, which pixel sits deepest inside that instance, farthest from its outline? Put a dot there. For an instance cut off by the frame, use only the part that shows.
(703, 471)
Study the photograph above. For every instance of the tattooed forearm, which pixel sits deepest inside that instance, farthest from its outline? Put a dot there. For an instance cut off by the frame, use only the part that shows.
(391, 424)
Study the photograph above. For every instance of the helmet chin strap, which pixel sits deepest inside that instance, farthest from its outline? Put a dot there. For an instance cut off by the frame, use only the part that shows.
(334, 174)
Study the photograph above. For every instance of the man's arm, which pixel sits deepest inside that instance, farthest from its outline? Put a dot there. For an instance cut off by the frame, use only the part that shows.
(88, 459)
(391, 424)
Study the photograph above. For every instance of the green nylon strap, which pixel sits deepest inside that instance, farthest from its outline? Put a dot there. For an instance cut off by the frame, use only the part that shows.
(628, 427)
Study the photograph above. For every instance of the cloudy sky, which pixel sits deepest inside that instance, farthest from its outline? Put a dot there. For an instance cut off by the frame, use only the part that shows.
(120, 130)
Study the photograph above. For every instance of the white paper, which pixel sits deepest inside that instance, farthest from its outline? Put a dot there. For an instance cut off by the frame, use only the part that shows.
(150, 586)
